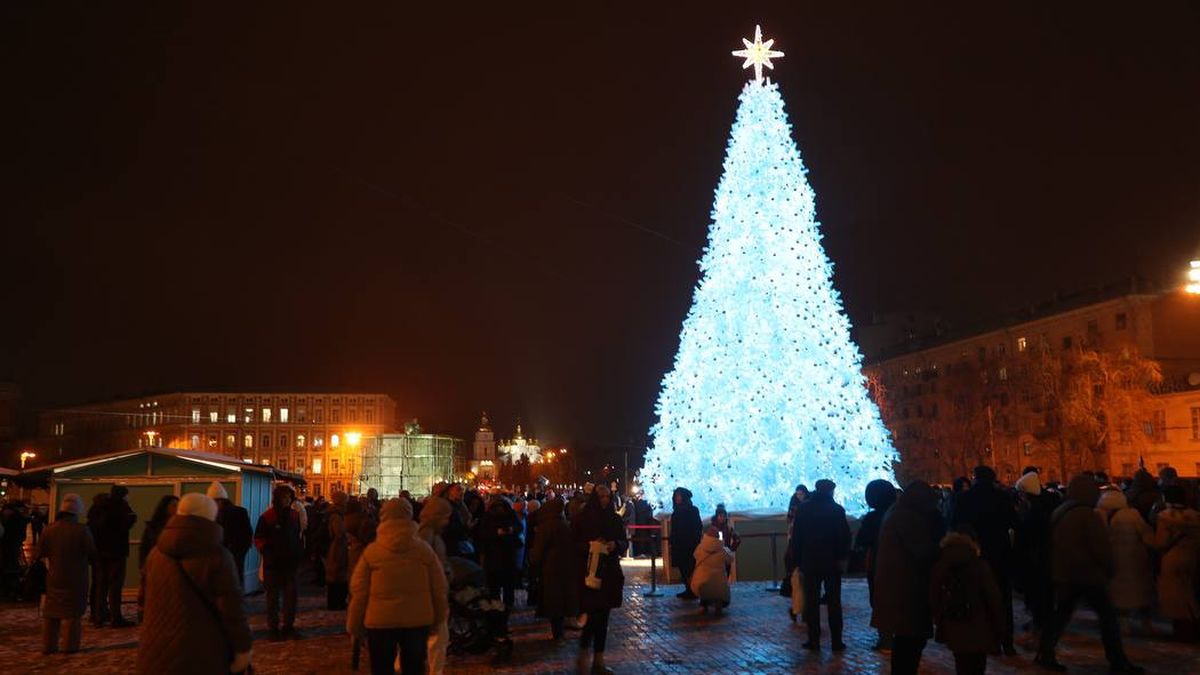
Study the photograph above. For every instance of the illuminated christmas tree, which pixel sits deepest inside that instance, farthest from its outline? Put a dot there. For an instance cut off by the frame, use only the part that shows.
(767, 390)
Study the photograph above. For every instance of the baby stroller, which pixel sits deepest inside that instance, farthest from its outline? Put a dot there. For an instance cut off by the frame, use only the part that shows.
(478, 618)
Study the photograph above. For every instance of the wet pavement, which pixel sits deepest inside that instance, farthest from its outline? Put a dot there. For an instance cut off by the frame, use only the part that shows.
(647, 635)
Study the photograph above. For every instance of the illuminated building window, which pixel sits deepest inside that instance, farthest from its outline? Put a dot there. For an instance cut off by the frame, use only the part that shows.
(318, 441)
(1003, 374)
(212, 441)
(266, 441)
(1028, 448)
(266, 415)
(334, 441)
(230, 442)
(317, 465)
(283, 415)
(195, 416)
(266, 460)
(247, 415)
(248, 441)
(1022, 344)
(299, 440)
(231, 416)
(195, 442)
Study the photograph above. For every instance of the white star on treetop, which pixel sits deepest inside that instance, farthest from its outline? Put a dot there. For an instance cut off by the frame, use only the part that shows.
(758, 54)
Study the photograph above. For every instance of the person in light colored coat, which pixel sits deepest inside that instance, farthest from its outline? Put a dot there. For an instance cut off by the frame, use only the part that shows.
(1132, 583)
(398, 593)
(710, 580)
(1177, 537)
(69, 547)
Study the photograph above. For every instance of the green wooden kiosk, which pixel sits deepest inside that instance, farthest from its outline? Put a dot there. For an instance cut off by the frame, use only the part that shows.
(151, 473)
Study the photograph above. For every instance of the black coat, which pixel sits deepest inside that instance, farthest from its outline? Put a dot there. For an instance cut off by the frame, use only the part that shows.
(499, 550)
(820, 535)
(116, 519)
(908, 549)
(686, 530)
(990, 511)
(235, 522)
(277, 536)
(595, 523)
(553, 554)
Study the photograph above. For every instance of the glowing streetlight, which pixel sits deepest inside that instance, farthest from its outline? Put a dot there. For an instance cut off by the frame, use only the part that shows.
(353, 438)
(26, 456)
(1193, 276)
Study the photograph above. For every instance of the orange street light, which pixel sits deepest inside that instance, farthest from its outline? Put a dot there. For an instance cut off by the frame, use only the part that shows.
(1193, 275)
(353, 438)
(26, 456)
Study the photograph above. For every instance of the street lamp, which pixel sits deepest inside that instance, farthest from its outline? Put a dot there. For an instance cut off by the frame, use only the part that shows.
(26, 456)
(1193, 275)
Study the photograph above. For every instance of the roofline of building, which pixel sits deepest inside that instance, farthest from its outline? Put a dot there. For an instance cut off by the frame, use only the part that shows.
(218, 392)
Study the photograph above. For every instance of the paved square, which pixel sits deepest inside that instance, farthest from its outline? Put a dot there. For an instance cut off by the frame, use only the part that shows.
(648, 635)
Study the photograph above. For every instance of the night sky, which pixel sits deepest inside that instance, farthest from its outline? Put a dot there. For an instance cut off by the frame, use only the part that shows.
(501, 209)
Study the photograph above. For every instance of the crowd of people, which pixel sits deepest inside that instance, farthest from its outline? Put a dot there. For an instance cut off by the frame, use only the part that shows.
(944, 564)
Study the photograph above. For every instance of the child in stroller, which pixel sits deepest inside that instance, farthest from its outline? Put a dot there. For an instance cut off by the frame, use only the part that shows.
(478, 617)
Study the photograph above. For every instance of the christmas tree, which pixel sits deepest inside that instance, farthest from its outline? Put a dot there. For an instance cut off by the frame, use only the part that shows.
(767, 389)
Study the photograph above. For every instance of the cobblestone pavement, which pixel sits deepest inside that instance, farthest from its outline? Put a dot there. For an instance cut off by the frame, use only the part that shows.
(647, 635)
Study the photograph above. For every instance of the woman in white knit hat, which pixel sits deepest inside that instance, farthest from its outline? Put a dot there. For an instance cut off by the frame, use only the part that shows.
(194, 621)
(69, 547)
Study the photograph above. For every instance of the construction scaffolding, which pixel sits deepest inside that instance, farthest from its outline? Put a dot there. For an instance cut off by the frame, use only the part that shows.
(411, 461)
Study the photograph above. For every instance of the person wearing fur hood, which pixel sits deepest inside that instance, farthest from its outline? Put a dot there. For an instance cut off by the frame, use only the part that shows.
(1132, 583)
(965, 603)
(710, 580)
(1177, 538)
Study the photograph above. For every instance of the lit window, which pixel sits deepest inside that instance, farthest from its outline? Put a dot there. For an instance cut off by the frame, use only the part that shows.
(248, 441)
(212, 441)
(247, 415)
(231, 416)
(195, 442)
(318, 441)
(266, 460)
(230, 442)
(213, 416)
(266, 415)
(1003, 374)
(195, 416)
(1022, 344)
(334, 441)
(316, 465)
(283, 415)
(1028, 448)
(299, 440)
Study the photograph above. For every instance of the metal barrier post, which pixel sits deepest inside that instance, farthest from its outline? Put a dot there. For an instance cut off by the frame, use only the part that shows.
(653, 592)
(774, 587)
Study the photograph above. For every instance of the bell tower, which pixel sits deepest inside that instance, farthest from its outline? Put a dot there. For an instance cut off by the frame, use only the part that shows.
(485, 441)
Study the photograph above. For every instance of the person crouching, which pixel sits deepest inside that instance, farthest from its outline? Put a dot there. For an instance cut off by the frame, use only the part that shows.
(710, 581)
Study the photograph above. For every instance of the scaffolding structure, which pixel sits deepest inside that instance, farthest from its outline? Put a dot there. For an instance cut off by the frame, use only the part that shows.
(409, 461)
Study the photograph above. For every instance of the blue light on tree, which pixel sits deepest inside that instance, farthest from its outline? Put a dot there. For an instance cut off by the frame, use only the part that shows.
(767, 389)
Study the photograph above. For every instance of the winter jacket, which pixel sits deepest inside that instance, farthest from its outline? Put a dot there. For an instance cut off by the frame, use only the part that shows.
(710, 581)
(398, 583)
(908, 548)
(435, 513)
(1144, 494)
(499, 551)
(69, 547)
(181, 632)
(1081, 552)
(360, 532)
(1177, 538)
(112, 530)
(1132, 584)
(989, 510)
(686, 531)
(820, 535)
(235, 523)
(277, 538)
(149, 539)
(337, 565)
(1031, 539)
(964, 599)
(553, 554)
(591, 524)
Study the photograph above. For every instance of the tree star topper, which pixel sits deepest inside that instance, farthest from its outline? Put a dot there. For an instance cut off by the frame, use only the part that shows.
(758, 54)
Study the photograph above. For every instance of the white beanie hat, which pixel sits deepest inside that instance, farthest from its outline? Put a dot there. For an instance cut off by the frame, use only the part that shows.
(196, 504)
(72, 503)
(217, 491)
(1030, 483)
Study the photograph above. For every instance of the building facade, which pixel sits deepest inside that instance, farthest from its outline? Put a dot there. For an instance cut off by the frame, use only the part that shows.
(981, 399)
(482, 464)
(513, 449)
(317, 435)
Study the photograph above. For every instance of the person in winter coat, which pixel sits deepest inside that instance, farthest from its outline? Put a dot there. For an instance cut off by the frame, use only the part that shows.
(710, 580)
(553, 556)
(112, 546)
(728, 536)
(598, 524)
(966, 604)
(68, 546)
(162, 513)
(235, 524)
(686, 530)
(643, 514)
(194, 622)
(1082, 565)
(1132, 585)
(1031, 548)
(457, 534)
(337, 565)
(398, 593)
(989, 511)
(798, 497)
(820, 545)
(1144, 495)
(99, 605)
(1177, 538)
(880, 495)
(361, 524)
(277, 538)
(499, 538)
(908, 548)
(435, 515)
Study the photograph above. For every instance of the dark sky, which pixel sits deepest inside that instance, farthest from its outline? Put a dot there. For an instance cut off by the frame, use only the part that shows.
(501, 209)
